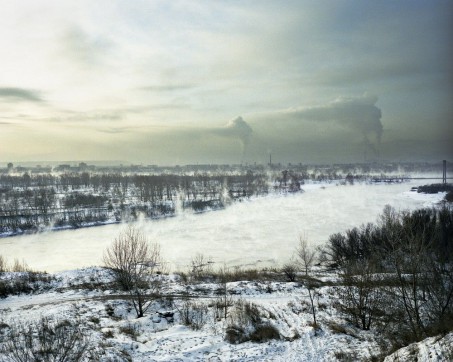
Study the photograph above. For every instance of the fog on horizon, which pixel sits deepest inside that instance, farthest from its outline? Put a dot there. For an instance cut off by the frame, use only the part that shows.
(200, 82)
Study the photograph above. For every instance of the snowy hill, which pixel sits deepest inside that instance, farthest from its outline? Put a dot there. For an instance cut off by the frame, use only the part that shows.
(186, 324)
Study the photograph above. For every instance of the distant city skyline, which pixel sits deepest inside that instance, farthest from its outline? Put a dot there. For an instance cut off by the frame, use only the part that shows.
(186, 82)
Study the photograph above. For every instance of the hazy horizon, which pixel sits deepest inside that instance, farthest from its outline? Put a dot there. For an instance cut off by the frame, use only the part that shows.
(186, 82)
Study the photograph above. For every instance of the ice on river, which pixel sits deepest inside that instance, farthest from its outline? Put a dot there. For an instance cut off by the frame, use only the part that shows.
(259, 232)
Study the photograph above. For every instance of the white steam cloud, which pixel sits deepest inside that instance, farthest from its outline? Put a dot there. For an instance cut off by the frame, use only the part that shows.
(356, 113)
(237, 128)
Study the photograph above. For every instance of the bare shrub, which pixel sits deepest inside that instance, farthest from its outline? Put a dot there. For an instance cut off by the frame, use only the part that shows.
(311, 286)
(108, 334)
(247, 324)
(224, 301)
(3, 264)
(336, 328)
(264, 332)
(21, 283)
(235, 334)
(193, 314)
(200, 267)
(290, 270)
(46, 340)
(19, 267)
(346, 357)
(237, 274)
(130, 330)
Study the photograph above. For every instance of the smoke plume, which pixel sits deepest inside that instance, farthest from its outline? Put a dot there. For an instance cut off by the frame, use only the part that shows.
(356, 113)
(237, 128)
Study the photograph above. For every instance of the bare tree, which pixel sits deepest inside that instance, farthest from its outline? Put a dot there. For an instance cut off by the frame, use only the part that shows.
(410, 262)
(200, 266)
(224, 301)
(305, 254)
(421, 294)
(306, 258)
(136, 264)
(439, 294)
(311, 286)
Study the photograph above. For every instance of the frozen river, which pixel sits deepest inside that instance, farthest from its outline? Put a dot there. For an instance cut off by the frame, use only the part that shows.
(260, 232)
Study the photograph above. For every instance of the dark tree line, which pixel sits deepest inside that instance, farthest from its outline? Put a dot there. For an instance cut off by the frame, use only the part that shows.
(32, 201)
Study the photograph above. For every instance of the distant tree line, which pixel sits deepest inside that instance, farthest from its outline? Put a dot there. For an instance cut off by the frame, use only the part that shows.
(436, 188)
(28, 201)
(31, 201)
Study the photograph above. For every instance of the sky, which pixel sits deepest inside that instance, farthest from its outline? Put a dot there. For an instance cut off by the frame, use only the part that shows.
(185, 82)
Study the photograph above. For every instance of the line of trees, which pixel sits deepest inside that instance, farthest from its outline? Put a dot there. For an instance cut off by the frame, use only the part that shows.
(397, 275)
(253, 182)
(28, 202)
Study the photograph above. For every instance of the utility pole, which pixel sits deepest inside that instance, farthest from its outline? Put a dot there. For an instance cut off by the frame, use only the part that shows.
(444, 172)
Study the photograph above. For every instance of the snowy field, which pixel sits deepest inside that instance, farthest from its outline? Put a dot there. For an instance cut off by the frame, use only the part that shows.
(259, 232)
(158, 340)
(115, 334)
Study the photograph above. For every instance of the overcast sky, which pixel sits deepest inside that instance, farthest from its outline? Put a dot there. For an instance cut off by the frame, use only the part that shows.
(178, 82)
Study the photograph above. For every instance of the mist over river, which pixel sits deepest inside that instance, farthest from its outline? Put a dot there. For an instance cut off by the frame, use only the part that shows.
(258, 232)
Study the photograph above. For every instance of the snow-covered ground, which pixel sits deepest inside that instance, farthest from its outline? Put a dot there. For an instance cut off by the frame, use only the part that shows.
(111, 322)
(434, 349)
(85, 297)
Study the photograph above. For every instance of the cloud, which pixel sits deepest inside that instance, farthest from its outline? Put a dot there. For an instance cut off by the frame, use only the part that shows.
(20, 94)
(344, 126)
(356, 113)
(193, 67)
(84, 48)
(236, 128)
(167, 88)
(93, 116)
(114, 130)
(357, 74)
(191, 143)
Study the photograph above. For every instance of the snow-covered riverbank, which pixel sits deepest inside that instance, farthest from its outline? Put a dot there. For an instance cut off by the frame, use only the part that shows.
(85, 298)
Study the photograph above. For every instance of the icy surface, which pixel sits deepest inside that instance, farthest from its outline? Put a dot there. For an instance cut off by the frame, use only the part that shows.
(258, 232)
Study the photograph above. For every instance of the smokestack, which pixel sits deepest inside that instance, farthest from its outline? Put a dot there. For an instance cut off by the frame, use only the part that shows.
(444, 172)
